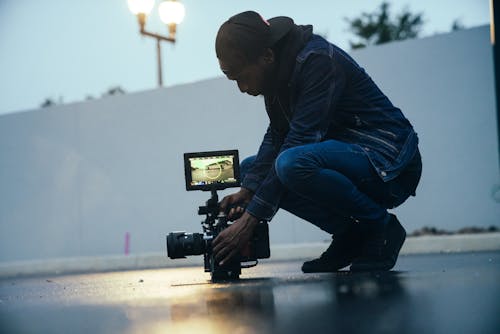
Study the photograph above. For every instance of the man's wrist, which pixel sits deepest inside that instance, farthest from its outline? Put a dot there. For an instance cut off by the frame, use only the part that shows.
(250, 219)
(246, 191)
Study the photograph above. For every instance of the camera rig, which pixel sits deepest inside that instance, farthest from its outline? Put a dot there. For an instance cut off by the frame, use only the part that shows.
(212, 171)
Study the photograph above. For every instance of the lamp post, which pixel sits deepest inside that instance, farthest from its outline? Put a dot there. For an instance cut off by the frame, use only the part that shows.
(171, 13)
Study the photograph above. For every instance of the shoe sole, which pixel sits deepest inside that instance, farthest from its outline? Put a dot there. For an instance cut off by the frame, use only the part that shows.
(323, 269)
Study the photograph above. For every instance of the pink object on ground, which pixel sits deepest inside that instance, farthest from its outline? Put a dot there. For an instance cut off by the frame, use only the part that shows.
(127, 243)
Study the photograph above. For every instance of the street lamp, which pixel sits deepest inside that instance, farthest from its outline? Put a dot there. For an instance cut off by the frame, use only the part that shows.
(171, 13)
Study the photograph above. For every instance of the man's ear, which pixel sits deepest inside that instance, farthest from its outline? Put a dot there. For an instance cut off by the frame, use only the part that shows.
(268, 56)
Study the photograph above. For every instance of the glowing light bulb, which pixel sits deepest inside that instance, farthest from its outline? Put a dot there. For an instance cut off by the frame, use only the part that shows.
(140, 6)
(171, 12)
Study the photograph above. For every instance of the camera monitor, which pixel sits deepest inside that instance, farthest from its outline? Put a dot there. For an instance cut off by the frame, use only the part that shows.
(215, 170)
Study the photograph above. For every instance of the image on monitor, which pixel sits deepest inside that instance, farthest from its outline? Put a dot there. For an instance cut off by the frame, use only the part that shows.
(212, 170)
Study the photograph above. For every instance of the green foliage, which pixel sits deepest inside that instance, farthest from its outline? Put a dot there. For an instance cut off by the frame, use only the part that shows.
(115, 90)
(379, 27)
(457, 25)
(48, 102)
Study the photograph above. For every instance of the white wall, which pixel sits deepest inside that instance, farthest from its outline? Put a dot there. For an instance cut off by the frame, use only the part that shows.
(75, 178)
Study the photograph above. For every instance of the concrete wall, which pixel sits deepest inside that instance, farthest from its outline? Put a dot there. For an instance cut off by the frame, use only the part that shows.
(75, 179)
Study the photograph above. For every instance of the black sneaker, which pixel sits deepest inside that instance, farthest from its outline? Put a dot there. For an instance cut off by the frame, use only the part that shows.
(343, 249)
(381, 248)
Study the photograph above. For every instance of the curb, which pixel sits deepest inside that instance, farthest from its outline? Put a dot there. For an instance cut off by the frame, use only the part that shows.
(413, 245)
(288, 252)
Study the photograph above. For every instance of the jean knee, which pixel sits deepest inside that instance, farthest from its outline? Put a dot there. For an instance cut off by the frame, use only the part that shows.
(246, 164)
(289, 165)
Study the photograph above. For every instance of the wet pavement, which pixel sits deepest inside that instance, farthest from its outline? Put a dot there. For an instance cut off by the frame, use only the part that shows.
(441, 293)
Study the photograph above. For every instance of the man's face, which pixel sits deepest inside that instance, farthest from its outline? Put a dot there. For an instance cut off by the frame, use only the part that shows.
(253, 78)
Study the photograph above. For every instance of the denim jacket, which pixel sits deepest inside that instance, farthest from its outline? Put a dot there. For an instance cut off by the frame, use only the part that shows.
(330, 97)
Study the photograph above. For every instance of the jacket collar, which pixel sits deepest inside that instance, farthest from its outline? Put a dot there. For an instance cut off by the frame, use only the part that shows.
(286, 54)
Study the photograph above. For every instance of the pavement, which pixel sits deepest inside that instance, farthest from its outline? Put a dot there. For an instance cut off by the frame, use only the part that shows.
(288, 252)
(425, 293)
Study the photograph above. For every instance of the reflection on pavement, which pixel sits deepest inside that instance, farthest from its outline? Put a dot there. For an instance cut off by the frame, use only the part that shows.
(439, 293)
(284, 305)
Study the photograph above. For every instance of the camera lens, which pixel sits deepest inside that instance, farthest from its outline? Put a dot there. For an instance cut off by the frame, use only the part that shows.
(180, 244)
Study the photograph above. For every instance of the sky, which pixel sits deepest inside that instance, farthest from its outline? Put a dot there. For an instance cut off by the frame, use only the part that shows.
(68, 50)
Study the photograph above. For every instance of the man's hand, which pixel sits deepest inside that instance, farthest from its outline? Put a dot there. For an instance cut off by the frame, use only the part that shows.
(241, 197)
(231, 240)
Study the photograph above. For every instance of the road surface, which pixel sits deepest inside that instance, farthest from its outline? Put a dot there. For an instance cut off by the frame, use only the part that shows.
(442, 293)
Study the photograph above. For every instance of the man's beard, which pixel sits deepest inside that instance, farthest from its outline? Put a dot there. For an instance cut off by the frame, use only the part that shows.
(269, 80)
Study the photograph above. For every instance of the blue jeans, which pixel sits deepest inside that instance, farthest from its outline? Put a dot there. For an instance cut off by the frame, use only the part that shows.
(332, 184)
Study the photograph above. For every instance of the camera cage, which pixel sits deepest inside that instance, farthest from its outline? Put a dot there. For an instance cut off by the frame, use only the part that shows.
(216, 184)
(220, 171)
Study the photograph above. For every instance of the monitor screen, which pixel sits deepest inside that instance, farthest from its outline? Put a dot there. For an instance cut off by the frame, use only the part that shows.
(212, 170)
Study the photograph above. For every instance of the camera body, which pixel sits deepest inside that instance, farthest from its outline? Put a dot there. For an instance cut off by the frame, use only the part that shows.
(214, 171)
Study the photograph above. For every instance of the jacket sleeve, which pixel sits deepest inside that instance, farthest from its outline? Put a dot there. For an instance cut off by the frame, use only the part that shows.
(263, 162)
(320, 84)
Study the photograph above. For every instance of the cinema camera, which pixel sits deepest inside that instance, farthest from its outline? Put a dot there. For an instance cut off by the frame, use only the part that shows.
(212, 171)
